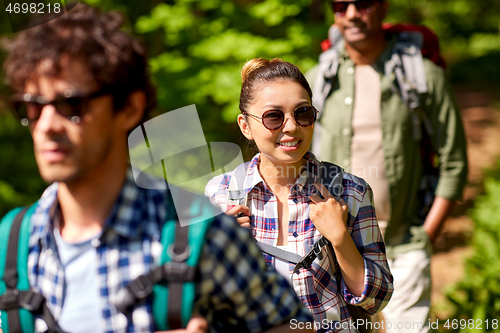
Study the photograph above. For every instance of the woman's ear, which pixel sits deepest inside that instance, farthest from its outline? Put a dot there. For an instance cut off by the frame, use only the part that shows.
(244, 127)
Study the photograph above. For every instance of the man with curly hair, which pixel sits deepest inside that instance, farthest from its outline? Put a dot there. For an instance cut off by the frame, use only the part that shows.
(84, 85)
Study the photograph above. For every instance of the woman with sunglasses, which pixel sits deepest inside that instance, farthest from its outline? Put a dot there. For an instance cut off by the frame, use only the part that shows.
(288, 208)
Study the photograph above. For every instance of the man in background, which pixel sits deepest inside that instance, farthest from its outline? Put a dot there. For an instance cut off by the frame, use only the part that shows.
(368, 127)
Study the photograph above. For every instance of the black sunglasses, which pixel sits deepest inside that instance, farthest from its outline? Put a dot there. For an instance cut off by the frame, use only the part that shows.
(274, 119)
(72, 105)
(362, 6)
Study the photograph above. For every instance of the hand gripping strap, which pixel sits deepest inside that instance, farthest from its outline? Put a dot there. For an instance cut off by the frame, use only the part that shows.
(182, 246)
(331, 176)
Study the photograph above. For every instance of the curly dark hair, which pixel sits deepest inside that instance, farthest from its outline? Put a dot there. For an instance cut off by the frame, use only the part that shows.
(114, 59)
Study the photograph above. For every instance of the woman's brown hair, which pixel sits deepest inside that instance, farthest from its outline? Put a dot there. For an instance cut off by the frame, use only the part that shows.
(257, 71)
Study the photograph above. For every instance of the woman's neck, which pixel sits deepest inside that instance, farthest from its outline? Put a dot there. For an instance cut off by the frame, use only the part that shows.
(279, 177)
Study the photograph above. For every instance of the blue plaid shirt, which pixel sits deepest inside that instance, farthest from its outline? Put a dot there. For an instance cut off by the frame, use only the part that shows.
(233, 272)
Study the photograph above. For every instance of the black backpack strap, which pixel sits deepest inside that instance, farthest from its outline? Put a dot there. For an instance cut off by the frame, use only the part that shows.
(173, 274)
(13, 299)
(10, 300)
(331, 176)
(179, 253)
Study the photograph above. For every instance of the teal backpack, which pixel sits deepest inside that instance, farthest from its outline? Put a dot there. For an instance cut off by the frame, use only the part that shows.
(174, 280)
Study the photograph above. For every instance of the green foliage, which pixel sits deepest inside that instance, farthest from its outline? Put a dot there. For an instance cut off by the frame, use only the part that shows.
(481, 72)
(477, 296)
(197, 49)
(205, 44)
(466, 28)
(20, 183)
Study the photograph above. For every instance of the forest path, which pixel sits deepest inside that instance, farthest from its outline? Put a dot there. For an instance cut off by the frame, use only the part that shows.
(482, 127)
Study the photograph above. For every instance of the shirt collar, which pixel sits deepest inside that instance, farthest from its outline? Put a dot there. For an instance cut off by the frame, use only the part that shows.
(130, 212)
(253, 177)
(309, 176)
(301, 185)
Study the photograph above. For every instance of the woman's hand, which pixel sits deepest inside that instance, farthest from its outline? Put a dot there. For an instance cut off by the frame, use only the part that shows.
(242, 214)
(195, 325)
(328, 215)
(330, 218)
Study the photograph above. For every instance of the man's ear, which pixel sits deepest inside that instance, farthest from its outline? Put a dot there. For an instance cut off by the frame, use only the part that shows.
(133, 111)
(244, 127)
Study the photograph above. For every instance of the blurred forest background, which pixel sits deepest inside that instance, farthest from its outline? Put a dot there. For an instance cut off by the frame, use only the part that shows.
(197, 48)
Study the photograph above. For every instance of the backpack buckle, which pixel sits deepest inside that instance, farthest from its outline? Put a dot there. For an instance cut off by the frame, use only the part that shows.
(31, 300)
(141, 287)
(176, 271)
(317, 252)
(10, 300)
(307, 260)
(178, 257)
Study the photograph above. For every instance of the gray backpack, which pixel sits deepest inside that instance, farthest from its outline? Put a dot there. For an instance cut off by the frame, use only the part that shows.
(407, 64)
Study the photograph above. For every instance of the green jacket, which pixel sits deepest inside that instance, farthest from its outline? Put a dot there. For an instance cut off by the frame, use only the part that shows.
(403, 163)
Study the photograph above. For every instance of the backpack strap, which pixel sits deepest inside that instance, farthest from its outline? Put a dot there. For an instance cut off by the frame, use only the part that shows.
(18, 301)
(172, 284)
(236, 196)
(327, 69)
(408, 65)
(236, 191)
(330, 175)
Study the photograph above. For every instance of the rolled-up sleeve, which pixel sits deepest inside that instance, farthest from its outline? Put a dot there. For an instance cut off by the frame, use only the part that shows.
(378, 280)
(449, 138)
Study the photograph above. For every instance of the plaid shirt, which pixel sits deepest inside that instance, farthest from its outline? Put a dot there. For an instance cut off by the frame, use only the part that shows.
(233, 273)
(316, 286)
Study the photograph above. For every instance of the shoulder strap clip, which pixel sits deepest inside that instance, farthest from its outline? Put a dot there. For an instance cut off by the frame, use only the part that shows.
(178, 272)
(141, 287)
(31, 300)
(9, 300)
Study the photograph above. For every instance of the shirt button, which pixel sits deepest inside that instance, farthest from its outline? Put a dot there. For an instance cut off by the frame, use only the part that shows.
(95, 242)
(348, 101)
(346, 163)
(346, 131)
(350, 70)
(295, 200)
(295, 234)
